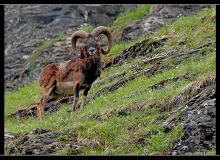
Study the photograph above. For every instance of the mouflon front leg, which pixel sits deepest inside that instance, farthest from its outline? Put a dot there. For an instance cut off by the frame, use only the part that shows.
(76, 96)
(85, 93)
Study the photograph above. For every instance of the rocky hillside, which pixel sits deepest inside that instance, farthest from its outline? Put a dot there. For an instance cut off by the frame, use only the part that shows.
(29, 27)
(155, 96)
(37, 35)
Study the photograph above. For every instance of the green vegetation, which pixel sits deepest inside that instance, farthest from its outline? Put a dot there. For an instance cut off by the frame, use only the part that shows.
(125, 18)
(22, 97)
(192, 31)
(197, 30)
(42, 46)
(87, 28)
(129, 16)
(113, 119)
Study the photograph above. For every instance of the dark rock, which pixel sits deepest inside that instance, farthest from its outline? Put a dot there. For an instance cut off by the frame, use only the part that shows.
(40, 131)
(200, 126)
(132, 31)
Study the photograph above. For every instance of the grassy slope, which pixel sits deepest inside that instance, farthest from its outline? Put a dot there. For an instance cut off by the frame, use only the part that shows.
(120, 134)
(123, 20)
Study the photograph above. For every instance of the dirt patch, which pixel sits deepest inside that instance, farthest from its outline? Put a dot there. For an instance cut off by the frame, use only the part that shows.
(52, 106)
(39, 142)
(137, 140)
(49, 142)
(92, 143)
(141, 48)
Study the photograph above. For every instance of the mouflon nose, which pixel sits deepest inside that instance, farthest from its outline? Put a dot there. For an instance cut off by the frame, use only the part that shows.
(91, 49)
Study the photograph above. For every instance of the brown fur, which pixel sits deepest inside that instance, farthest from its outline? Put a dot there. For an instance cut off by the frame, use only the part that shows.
(78, 73)
(49, 70)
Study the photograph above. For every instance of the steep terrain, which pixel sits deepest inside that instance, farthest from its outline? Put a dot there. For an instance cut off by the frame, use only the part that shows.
(156, 96)
(159, 16)
(33, 28)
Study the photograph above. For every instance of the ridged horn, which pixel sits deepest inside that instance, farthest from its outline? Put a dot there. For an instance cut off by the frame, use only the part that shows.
(103, 30)
(75, 36)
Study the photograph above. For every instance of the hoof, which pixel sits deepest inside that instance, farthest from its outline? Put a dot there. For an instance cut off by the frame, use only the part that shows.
(81, 107)
(70, 111)
(40, 118)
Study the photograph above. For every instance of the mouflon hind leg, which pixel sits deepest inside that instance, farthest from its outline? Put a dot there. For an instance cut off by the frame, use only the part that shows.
(46, 93)
(40, 108)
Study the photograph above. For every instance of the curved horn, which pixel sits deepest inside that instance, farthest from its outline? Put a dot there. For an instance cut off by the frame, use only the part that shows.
(75, 36)
(103, 30)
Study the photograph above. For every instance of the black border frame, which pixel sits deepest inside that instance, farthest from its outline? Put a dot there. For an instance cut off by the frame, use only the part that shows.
(102, 2)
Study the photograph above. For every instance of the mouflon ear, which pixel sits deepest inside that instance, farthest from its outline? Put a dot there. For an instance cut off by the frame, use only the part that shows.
(82, 52)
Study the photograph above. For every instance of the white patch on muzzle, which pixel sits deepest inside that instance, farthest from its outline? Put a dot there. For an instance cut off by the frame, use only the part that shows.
(92, 51)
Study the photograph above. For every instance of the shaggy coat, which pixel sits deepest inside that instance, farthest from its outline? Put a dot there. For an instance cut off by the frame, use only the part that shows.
(69, 77)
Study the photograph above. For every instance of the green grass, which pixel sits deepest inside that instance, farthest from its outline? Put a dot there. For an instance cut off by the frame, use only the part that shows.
(204, 66)
(22, 97)
(87, 28)
(125, 18)
(198, 29)
(129, 16)
(192, 31)
(120, 134)
(42, 46)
